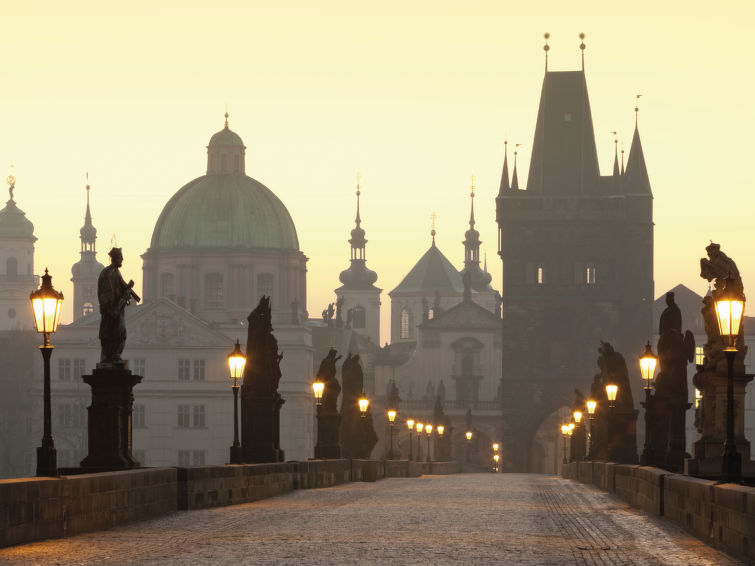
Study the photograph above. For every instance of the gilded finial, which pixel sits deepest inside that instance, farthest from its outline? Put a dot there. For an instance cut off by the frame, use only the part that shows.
(636, 108)
(11, 180)
(471, 188)
(226, 115)
(546, 48)
(582, 48)
(622, 157)
(433, 218)
(358, 219)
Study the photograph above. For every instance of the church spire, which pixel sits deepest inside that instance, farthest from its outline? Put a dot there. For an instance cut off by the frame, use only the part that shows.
(88, 232)
(637, 180)
(473, 276)
(357, 276)
(357, 240)
(515, 177)
(433, 218)
(471, 212)
(505, 186)
(616, 172)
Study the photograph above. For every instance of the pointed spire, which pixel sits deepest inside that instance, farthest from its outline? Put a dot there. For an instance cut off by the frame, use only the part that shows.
(637, 180)
(514, 176)
(616, 172)
(582, 49)
(433, 218)
(471, 196)
(546, 48)
(622, 159)
(358, 220)
(88, 215)
(226, 116)
(505, 186)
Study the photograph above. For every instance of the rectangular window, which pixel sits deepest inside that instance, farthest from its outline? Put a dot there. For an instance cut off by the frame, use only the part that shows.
(197, 457)
(590, 275)
(540, 275)
(64, 369)
(699, 355)
(183, 416)
(213, 283)
(184, 368)
(184, 458)
(78, 368)
(198, 370)
(198, 414)
(137, 418)
(140, 366)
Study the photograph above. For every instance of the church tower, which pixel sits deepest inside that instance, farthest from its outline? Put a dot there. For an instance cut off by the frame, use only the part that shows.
(358, 296)
(17, 277)
(479, 279)
(86, 271)
(577, 252)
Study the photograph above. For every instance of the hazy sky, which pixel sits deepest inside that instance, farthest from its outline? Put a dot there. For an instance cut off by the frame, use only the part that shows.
(416, 96)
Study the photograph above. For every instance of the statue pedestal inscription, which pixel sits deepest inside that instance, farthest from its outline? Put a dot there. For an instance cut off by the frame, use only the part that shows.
(110, 418)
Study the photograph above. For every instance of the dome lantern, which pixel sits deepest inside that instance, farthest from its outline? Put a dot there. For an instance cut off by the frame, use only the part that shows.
(226, 152)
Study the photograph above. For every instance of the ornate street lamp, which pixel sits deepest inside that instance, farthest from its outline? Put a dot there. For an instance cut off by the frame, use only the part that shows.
(730, 307)
(391, 419)
(577, 415)
(496, 446)
(591, 404)
(441, 429)
(236, 363)
(469, 435)
(46, 303)
(364, 404)
(410, 424)
(648, 361)
(611, 392)
(429, 431)
(318, 387)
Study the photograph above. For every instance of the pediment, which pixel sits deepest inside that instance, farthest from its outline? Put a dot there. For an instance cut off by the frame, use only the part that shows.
(466, 314)
(164, 323)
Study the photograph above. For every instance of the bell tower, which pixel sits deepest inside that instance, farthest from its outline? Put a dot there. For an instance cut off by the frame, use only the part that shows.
(86, 271)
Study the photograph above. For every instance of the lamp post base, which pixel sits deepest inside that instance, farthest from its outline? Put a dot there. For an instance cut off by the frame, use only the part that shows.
(236, 455)
(47, 461)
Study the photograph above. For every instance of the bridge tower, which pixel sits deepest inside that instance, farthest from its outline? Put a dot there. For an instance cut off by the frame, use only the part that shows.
(577, 254)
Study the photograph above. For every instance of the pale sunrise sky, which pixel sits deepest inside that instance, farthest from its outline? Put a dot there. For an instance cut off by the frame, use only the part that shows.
(416, 96)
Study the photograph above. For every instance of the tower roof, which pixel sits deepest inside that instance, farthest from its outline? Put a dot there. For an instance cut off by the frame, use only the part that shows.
(358, 276)
(13, 222)
(636, 175)
(88, 232)
(432, 272)
(564, 157)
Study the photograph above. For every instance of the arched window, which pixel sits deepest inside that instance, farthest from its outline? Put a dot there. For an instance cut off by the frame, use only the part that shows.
(406, 324)
(213, 291)
(88, 308)
(11, 268)
(167, 286)
(360, 317)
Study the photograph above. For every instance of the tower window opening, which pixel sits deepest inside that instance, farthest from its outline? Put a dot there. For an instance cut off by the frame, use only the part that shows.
(213, 290)
(406, 324)
(167, 286)
(88, 308)
(590, 275)
(360, 317)
(430, 313)
(11, 268)
(540, 275)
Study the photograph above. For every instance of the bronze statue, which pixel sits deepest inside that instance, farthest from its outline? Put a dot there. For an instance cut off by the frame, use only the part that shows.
(113, 294)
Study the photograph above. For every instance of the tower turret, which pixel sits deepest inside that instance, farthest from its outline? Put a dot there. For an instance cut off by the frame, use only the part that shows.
(478, 279)
(86, 271)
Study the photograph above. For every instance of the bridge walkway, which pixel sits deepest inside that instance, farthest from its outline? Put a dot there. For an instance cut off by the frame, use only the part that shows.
(518, 519)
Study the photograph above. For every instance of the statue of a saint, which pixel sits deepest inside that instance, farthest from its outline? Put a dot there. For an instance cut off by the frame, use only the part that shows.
(675, 351)
(113, 294)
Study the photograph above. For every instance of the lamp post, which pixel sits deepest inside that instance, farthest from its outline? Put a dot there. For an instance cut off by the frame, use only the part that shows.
(419, 427)
(364, 404)
(391, 419)
(565, 433)
(496, 458)
(410, 425)
(611, 392)
(579, 440)
(439, 451)
(729, 310)
(429, 431)
(46, 303)
(591, 404)
(236, 363)
(468, 436)
(648, 361)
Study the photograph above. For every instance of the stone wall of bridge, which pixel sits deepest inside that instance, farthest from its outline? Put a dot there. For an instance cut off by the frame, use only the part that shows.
(721, 515)
(38, 508)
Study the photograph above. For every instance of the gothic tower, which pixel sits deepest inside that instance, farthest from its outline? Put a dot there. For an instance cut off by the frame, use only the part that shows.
(358, 296)
(86, 271)
(577, 253)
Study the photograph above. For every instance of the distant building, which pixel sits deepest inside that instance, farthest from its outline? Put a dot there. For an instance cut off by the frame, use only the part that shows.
(221, 242)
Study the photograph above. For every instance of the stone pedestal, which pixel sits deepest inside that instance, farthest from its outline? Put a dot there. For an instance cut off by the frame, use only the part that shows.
(707, 451)
(260, 428)
(109, 418)
(622, 435)
(328, 438)
(578, 448)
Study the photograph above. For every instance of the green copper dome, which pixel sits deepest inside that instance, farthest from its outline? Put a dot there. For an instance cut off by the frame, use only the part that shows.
(224, 211)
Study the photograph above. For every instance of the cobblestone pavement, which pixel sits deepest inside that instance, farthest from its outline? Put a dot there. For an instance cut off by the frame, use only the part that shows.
(459, 519)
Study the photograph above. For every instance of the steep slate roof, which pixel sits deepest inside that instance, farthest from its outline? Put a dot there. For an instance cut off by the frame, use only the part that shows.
(564, 157)
(636, 176)
(432, 272)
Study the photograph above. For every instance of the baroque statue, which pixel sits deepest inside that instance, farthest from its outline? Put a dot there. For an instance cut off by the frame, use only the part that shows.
(113, 294)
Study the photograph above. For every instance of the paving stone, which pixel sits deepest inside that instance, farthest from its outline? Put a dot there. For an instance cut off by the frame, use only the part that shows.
(521, 519)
